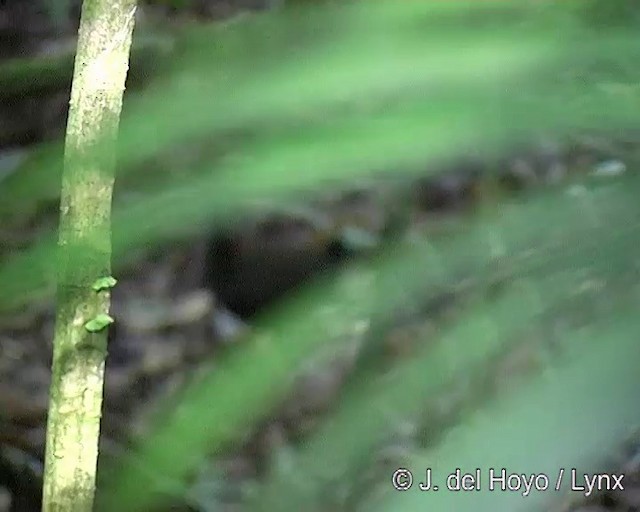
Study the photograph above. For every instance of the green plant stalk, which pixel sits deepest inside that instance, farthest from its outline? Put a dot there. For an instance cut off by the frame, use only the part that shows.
(38, 75)
(84, 252)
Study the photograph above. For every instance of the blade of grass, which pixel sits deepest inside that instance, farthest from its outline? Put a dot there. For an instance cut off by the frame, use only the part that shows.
(217, 408)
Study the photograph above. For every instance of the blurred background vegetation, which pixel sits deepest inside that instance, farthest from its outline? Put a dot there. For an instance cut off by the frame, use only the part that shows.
(350, 237)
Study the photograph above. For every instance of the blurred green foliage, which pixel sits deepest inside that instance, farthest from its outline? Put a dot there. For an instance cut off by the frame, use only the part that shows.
(605, 14)
(314, 97)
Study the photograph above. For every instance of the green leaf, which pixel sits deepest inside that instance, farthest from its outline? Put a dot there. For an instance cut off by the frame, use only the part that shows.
(98, 323)
(104, 283)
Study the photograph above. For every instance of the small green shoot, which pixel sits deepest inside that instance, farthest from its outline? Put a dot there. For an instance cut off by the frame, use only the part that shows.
(104, 283)
(98, 323)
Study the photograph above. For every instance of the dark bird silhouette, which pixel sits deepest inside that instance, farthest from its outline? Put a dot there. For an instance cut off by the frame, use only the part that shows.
(250, 268)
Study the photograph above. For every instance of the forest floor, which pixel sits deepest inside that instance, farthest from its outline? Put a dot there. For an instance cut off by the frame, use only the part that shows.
(172, 314)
